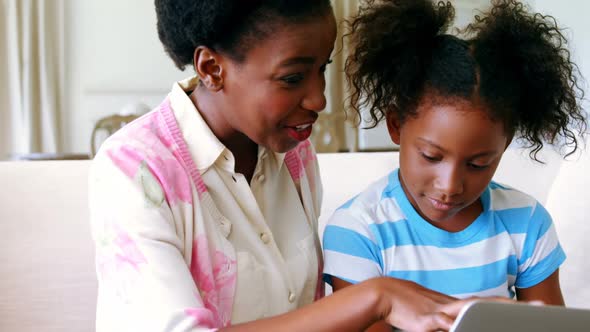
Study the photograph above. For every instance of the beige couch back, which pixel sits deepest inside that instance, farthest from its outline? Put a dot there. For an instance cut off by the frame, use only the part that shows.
(47, 280)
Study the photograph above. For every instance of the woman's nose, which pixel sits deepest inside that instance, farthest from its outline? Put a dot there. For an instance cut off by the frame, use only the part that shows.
(315, 99)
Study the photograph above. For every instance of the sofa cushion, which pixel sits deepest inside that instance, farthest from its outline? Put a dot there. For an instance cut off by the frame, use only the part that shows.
(570, 209)
(47, 276)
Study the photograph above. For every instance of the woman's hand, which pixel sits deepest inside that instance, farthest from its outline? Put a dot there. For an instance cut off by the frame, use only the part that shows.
(412, 307)
(403, 304)
(409, 306)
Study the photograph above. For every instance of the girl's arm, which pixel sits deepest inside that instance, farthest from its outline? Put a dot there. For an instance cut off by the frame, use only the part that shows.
(548, 291)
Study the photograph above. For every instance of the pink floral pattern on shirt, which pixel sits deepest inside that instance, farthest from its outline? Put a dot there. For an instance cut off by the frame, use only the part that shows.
(160, 159)
(306, 153)
(215, 288)
(118, 260)
(151, 151)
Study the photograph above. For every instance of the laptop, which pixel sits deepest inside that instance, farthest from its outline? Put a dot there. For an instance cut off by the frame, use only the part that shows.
(482, 316)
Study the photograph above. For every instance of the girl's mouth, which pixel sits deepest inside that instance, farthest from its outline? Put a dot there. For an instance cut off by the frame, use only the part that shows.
(441, 205)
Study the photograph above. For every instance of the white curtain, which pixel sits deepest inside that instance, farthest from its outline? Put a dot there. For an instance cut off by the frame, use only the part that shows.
(31, 75)
(333, 132)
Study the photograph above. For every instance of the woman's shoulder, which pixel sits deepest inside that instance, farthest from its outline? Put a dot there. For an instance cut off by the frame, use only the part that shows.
(144, 144)
(149, 132)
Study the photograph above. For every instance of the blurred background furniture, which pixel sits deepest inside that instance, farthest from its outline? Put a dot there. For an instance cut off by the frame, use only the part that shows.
(107, 126)
(48, 156)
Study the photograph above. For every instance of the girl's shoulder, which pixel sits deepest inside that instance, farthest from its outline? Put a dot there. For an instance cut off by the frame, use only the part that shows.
(504, 197)
(372, 203)
(517, 210)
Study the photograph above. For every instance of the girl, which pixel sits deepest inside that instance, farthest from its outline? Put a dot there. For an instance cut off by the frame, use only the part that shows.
(204, 211)
(454, 105)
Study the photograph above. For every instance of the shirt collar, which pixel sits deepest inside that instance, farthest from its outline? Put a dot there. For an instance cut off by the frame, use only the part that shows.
(203, 145)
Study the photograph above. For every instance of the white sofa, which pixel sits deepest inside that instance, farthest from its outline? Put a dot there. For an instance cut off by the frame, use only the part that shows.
(47, 280)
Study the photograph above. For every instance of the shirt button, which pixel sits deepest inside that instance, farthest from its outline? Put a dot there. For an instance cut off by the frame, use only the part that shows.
(261, 177)
(265, 238)
(291, 297)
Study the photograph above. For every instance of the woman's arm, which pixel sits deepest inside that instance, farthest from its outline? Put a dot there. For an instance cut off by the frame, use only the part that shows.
(548, 291)
(400, 303)
(146, 284)
(380, 326)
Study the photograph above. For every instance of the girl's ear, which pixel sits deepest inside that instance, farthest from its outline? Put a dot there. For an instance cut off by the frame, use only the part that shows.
(393, 126)
(208, 66)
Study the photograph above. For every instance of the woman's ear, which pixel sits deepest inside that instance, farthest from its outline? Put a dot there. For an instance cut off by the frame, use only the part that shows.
(393, 126)
(209, 68)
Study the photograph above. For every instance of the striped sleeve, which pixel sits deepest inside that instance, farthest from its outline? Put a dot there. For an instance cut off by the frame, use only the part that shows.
(541, 253)
(350, 250)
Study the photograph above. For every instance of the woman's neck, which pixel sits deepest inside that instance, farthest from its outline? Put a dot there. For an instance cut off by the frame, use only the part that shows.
(245, 150)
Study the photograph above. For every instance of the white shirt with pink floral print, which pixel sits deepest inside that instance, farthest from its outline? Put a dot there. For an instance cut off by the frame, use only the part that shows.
(183, 243)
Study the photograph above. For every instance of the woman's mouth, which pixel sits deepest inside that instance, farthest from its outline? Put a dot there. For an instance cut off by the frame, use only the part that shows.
(300, 132)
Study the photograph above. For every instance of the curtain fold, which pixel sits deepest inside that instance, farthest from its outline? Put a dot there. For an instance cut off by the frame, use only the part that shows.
(333, 131)
(32, 75)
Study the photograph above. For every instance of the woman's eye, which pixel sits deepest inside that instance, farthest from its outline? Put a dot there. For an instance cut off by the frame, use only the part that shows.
(292, 79)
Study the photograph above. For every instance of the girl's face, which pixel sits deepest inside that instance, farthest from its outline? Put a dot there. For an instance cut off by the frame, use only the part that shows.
(448, 155)
(274, 95)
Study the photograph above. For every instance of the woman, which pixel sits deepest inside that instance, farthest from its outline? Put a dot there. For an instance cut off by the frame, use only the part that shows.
(204, 211)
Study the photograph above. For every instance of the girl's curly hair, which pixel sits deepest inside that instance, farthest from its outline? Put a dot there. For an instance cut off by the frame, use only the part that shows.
(231, 27)
(514, 61)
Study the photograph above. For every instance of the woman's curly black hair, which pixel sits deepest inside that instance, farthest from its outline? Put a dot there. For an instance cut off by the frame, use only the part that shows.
(513, 61)
(228, 26)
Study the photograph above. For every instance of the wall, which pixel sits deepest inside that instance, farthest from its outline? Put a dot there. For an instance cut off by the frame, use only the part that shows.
(570, 14)
(377, 139)
(113, 58)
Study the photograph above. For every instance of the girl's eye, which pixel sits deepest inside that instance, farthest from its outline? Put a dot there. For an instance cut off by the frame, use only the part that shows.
(430, 158)
(292, 79)
(478, 167)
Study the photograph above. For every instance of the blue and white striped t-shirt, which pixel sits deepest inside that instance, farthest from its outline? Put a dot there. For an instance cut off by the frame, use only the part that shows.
(513, 243)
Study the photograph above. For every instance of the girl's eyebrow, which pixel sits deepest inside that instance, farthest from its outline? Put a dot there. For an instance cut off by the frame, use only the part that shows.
(485, 154)
(427, 141)
(480, 154)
